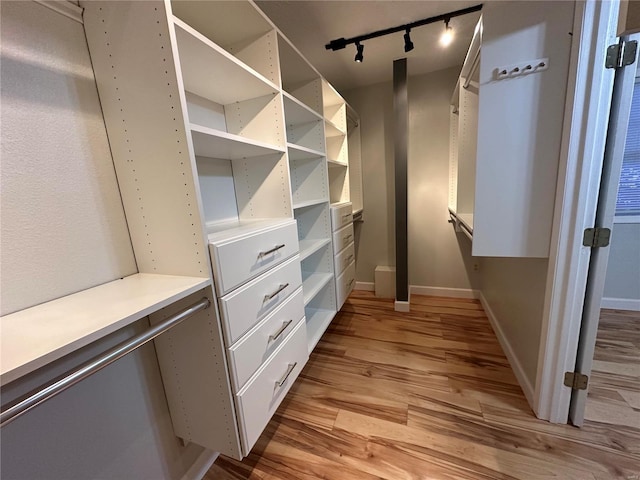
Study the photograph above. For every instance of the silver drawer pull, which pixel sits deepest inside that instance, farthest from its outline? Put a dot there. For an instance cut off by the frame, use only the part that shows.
(346, 215)
(279, 332)
(280, 288)
(350, 283)
(274, 249)
(348, 236)
(280, 382)
(349, 258)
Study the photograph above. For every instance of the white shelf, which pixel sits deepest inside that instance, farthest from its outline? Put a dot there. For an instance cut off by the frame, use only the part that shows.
(310, 203)
(317, 323)
(207, 69)
(313, 283)
(37, 336)
(335, 163)
(332, 130)
(236, 229)
(208, 142)
(298, 152)
(296, 112)
(309, 247)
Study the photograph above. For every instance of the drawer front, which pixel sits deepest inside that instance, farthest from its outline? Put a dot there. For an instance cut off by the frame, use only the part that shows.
(260, 398)
(239, 260)
(341, 215)
(245, 306)
(342, 238)
(247, 355)
(344, 258)
(345, 284)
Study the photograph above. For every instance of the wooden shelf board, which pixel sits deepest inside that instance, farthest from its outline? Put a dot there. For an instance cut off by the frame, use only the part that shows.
(309, 203)
(332, 130)
(207, 68)
(298, 152)
(317, 322)
(312, 285)
(309, 247)
(37, 336)
(296, 112)
(208, 142)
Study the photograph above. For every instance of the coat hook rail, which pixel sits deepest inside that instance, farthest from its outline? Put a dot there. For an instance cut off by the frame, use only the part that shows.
(96, 364)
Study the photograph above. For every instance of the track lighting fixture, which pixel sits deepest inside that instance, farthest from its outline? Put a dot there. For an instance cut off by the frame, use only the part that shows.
(445, 39)
(360, 49)
(408, 44)
(447, 35)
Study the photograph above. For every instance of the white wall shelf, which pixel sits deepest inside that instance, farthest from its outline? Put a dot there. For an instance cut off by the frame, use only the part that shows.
(208, 142)
(206, 70)
(337, 164)
(332, 130)
(298, 152)
(317, 322)
(297, 112)
(309, 203)
(309, 247)
(34, 337)
(312, 283)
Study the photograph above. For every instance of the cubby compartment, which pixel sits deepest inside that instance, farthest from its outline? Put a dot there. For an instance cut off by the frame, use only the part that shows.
(237, 27)
(303, 126)
(317, 271)
(319, 312)
(337, 149)
(314, 222)
(339, 183)
(243, 189)
(308, 179)
(299, 78)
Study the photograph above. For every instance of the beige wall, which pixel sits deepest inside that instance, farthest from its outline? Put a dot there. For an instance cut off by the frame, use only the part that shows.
(623, 269)
(438, 256)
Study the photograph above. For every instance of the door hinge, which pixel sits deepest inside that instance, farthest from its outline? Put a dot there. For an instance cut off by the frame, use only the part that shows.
(575, 380)
(621, 54)
(596, 237)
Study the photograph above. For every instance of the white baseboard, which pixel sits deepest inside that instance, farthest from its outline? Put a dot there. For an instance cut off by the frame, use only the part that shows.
(200, 467)
(621, 303)
(366, 286)
(516, 366)
(444, 292)
(402, 306)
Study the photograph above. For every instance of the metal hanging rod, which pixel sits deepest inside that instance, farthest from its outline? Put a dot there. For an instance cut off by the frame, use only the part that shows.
(96, 364)
(340, 43)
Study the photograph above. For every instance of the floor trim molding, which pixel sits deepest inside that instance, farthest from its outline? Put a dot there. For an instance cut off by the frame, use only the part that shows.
(444, 292)
(614, 303)
(200, 467)
(516, 366)
(366, 286)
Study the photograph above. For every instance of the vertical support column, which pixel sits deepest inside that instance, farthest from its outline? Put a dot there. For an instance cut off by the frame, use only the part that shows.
(401, 141)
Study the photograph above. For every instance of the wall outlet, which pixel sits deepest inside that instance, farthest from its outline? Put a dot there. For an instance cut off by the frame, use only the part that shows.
(476, 266)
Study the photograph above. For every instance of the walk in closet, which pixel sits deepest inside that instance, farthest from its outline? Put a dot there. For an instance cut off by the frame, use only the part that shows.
(229, 150)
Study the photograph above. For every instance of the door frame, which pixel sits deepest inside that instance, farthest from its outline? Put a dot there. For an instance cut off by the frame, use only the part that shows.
(588, 103)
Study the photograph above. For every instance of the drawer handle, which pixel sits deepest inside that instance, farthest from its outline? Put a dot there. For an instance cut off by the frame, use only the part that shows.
(349, 258)
(281, 382)
(348, 236)
(273, 250)
(350, 283)
(280, 288)
(279, 332)
(346, 215)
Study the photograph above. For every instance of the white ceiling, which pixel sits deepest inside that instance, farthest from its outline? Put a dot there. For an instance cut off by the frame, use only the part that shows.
(311, 24)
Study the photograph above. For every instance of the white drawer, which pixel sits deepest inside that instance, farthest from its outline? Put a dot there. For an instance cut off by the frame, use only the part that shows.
(245, 306)
(344, 258)
(255, 347)
(342, 238)
(242, 258)
(345, 284)
(341, 215)
(260, 398)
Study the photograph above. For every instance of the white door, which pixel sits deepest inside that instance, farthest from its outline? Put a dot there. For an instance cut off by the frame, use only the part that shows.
(614, 152)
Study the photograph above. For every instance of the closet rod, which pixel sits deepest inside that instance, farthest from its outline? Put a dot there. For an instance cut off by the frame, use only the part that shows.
(97, 363)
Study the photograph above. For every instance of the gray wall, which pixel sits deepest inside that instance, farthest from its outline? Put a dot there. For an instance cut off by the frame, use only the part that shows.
(64, 230)
(623, 269)
(438, 256)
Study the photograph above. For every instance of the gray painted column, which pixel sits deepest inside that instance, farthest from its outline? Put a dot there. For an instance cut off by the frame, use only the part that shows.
(401, 141)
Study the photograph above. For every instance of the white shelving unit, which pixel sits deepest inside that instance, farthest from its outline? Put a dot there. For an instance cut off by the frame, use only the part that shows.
(355, 162)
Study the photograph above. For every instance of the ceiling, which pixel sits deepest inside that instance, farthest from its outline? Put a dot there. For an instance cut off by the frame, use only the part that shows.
(311, 24)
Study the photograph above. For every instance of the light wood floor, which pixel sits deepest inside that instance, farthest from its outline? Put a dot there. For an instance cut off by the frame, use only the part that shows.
(614, 386)
(425, 395)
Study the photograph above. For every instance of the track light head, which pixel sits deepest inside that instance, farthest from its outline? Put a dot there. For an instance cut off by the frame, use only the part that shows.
(360, 49)
(447, 35)
(408, 44)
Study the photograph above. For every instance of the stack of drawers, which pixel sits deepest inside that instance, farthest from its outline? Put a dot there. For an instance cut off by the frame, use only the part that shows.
(259, 290)
(343, 250)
